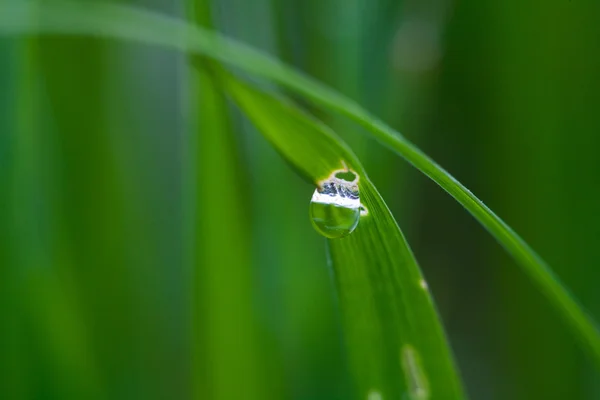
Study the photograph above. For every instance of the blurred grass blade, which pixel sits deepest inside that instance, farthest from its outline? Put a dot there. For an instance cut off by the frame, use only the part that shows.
(225, 335)
(225, 338)
(130, 24)
(12, 368)
(395, 342)
(38, 296)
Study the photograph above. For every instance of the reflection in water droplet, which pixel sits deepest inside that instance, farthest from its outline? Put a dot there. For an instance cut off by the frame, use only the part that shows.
(415, 377)
(335, 206)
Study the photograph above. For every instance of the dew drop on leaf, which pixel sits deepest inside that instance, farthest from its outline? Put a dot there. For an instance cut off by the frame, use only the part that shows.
(335, 206)
(418, 388)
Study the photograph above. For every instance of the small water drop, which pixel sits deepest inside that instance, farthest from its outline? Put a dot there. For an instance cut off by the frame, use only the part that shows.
(374, 395)
(418, 388)
(335, 205)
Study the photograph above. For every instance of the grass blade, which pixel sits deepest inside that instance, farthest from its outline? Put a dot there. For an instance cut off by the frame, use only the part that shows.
(224, 325)
(150, 28)
(12, 368)
(225, 340)
(395, 342)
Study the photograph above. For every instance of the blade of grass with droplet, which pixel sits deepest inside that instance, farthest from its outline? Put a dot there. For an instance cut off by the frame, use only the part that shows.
(144, 27)
(395, 343)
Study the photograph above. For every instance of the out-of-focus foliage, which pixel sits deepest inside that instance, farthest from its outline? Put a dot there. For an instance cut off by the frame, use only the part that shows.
(95, 291)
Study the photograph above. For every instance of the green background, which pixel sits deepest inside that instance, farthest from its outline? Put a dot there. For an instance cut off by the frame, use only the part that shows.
(98, 167)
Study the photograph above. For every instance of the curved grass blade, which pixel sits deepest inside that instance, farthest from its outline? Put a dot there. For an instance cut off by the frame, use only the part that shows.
(145, 27)
(396, 345)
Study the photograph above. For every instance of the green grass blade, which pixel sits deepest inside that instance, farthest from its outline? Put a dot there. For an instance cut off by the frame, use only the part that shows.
(396, 345)
(225, 335)
(150, 28)
(226, 339)
(12, 368)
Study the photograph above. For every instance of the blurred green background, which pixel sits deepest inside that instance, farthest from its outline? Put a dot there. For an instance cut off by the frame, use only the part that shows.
(99, 297)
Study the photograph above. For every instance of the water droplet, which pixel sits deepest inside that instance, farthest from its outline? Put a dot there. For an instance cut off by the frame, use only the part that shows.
(374, 395)
(418, 388)
(423, 284)
(335, 205)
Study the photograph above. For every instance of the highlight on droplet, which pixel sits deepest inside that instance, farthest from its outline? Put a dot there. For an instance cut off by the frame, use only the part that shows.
(416, 380)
